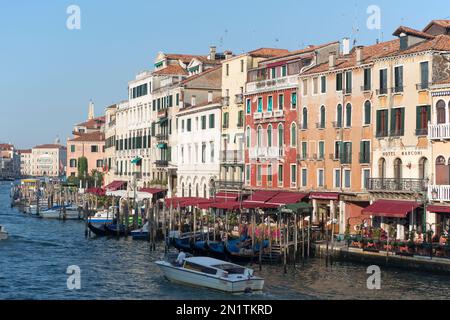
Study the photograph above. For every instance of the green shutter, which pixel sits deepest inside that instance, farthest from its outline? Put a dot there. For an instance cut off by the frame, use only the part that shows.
(402, 131)
(418, 118)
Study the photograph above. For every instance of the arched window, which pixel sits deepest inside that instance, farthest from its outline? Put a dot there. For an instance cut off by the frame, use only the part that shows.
(182, 189)
(204, 191)
(322, 117)
(248, 137)
(367, 112)
(440, 112)
(382, 168)
(269, 136)
(259, 136)
(348, 115)
(339, 116)
(280, 136)
(305, 119)
(442, 171)
(398, 170)
(190, 191)
(423, 168)
(293, 135)
(196, 191)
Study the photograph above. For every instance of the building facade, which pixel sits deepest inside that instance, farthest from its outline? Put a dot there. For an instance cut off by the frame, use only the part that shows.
(48, 160)
(25, 163)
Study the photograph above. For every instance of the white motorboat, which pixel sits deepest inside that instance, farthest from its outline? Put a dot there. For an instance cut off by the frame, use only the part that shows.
(3, 233)
(102, 217)
(59, 212)
(211, 273)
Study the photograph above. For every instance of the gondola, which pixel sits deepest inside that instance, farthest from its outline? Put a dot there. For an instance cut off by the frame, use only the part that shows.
(112, 229)
(182, 244)
(200, 247)
(216, 249)
(98, 230)
(242, 250)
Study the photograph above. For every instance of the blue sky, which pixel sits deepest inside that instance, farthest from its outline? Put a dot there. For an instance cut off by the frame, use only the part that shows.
(49, 73)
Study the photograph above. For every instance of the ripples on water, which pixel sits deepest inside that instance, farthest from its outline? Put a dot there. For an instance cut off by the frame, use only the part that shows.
(34, 260)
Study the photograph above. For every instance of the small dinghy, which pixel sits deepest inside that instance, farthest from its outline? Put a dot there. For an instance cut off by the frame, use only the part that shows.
(211, 273)
(3, 233)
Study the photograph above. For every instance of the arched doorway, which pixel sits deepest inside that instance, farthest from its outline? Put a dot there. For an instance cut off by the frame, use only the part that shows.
(382, 168)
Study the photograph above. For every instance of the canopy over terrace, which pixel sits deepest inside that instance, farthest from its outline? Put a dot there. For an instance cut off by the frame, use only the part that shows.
(96, 191)
(124, 194)
(115, 185)
(391, 208)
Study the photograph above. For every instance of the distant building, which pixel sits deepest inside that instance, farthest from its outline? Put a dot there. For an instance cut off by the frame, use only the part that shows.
(25, 163)
(9, 161)
(48, 160)
(88, 142)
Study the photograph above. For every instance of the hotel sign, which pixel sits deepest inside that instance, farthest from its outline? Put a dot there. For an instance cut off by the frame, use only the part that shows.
(402, 153)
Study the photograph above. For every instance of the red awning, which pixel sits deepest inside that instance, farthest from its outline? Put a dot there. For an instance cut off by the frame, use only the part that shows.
(260, 205)
(284, 198)
(438, 209)
(262, 196)
(232, 205)
(96, 191)
(115, 185)
(152, 191)
(227, 196)
(324, 195)
(187, 202)
(391, 208)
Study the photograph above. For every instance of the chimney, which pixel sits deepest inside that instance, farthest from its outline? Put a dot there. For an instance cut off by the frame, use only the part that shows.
(359, 55)
(345, 46)
(228, 54)
(332, 60)
(212, 53)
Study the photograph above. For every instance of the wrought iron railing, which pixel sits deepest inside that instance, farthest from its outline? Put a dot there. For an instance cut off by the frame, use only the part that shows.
(409, 185)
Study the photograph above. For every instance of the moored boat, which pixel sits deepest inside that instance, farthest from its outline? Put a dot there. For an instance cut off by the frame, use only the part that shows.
(102, 217)
(3, 233)
(211, 273)
(141, 234)
(99, 230)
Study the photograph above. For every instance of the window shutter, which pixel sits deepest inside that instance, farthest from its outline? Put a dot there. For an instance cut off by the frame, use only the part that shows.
(428, 113)
(392, 120)
(418, 118)
(402, 131)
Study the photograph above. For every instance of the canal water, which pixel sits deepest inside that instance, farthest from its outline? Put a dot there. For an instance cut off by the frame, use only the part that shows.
(34, 261)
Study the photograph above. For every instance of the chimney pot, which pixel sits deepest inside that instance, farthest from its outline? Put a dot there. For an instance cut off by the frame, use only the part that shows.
(332, 60)
(359, 55)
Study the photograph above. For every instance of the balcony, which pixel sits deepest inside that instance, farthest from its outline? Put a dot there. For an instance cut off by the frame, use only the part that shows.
(268, 115)
(439, 193)
(439, 131)
(366, 88)
(162, 163)
(382, 91)
(265, 153)
(337, 125)
(229, 185)
(424, 86)
(272, 84)
(382, 134)
(397, 90)
(397, 185)
(278, 113)
(225, 101)
(257, 116)
(320, 125)
(422, 132)
(239, 98)
(232, 156)
(161, 137)
(162, 113)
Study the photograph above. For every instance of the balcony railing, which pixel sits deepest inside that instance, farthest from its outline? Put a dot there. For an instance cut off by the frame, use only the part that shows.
(239, 98)
(366, 88)
(265, 153)
(397, 89)
(162, 163)
(272, 84)
(406, 185)
(268, 114)
(278, 113)
(226, 101)
(229, 184)
(382, 91)
(162, 137)
(423, 86)
(232, 156)
(439, 131)
(439, 193)
(162, 113)
(257, 115)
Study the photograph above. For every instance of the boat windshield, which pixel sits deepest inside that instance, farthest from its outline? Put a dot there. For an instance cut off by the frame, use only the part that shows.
(199, 268)
(230, 268)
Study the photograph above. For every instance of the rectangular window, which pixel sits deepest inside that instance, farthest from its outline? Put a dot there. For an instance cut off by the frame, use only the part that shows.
(348, 82)
(347, 153)
(284, 71)
(323, 84)
(315, 85)
(304, 149)
(280, 101)
(367, 79)
(189, 125)
(72, 148)
(273, 72)
(337, 178)
(365, 152)
(211, 146)
(240, 123)
(339, 82)
(293, 175)
(423, 116)
(382, 123)
(260, 105)
(247, 174)
(242, 65)
(203, 152)
(305, 87)
(304, 177)
(259, 174)
(280, 175)
(293, 100)
(424, 75)
(398, 71)
(269, 174)
(347, 179)
(321, 150)
(227, 69)
(226, 119)
(383, 81)
(270, 104)
(366, 177)
(397, 122)
(211, 121)
(203, 122)
(338, 150)
(248, 106)
(94, 148)
(320, 178)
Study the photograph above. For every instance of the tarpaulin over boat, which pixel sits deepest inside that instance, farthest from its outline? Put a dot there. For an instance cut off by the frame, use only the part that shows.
(391, 208)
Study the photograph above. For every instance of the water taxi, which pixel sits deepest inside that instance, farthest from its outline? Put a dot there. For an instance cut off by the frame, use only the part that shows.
(211, 273)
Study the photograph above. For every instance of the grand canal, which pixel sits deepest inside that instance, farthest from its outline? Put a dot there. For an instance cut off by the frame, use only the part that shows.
(34, 260)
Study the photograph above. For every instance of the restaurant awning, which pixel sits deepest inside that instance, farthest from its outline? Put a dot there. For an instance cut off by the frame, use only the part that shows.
(187, 202)
(391, 208)
(284, 198)
(152, 191)
(115, 185)
(438, 209)
(96, 191)
(262, 196)
(324, 195)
